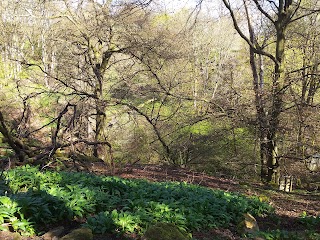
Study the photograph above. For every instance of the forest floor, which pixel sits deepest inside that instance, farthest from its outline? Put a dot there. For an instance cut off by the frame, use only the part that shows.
(288, 206)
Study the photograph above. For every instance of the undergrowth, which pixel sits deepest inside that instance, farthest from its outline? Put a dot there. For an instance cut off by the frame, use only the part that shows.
(286, 235)
(32, 200)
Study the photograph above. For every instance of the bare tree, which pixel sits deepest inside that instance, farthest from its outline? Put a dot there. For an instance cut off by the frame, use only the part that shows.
(279, 15)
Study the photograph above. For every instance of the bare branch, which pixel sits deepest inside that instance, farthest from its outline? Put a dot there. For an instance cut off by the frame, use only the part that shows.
(244, 37)
(305, 15)
(149, 120)
(263, 11)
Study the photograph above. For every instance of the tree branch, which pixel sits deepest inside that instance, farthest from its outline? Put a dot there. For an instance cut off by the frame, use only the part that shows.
(244, 37)
(263, 11)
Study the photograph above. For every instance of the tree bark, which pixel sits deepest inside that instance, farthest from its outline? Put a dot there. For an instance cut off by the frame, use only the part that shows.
(17, 146)
(268, 117)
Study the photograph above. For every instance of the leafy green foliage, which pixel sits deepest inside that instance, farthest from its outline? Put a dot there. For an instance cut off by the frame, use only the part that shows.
(101, 223)
(286, 235)
(11, 216)
(40, 207)
(113, 204)
(310, 222)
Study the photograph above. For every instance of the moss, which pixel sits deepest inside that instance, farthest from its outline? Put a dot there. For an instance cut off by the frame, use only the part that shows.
(165, 231)
(248, 225)
(202, 128)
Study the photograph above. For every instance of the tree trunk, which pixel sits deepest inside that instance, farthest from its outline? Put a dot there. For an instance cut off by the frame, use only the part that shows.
(268, 117)
(17, 146)
(100, 124)
(278, 89)
(99, 70)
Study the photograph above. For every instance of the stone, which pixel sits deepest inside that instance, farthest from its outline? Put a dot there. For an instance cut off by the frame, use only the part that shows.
(79, 234)
(165, 231)
(248, 225)
(6, 235)
(54, 233)
(313, 163)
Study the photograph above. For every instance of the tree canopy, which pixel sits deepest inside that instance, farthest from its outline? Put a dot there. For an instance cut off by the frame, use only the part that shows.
(225, 87)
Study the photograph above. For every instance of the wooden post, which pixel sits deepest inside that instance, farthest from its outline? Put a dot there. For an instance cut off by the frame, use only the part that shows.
(285, 183)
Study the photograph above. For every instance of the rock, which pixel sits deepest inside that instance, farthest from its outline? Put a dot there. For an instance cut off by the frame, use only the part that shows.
(6, 235)
(53, 234)
(79, 234)
(313, 163)
(248, 225)
(165, 231)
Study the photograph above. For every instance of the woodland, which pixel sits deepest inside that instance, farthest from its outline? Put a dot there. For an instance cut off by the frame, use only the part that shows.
(116, 115)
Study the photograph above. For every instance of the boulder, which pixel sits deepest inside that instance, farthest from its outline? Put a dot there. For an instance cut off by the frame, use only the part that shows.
(248, 225)
(165, 231)
(53, 234)
(313, 163)
(6, 235)
(79, 234)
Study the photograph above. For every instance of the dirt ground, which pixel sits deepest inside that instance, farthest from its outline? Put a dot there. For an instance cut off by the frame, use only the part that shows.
(286, 204)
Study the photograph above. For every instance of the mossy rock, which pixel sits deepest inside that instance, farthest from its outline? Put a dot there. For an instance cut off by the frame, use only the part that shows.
(165, 231)
(248, 225)
(79, 234)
